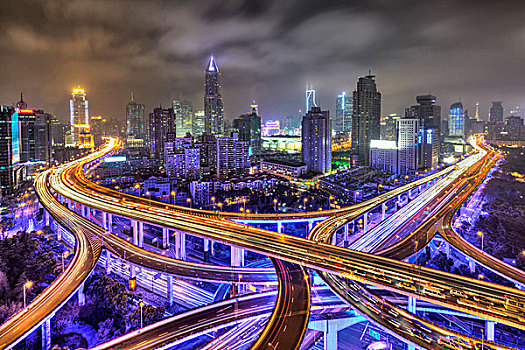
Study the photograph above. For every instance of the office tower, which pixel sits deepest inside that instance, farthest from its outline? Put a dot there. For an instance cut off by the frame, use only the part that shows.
(35, 135)
(407, 145)
(316, 140)
(232, 157)
(310, 100)
(9, 150)
(343, 113)
(181, 158)
(366, 117)
(161, 122)
(183, 117)
(213, 104)
(208, 146)
(98, 128)
(58, 133)
(388, 127)
(198, 123)
(383, 155)
(477, 112)
(249, 128)
(136, 123)
(79, 114)
(429, 116)
(496, 112)
(514, 128)
(456, 120)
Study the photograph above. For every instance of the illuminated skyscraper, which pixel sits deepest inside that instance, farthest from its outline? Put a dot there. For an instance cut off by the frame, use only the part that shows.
(213, 104)
(183, 117)
(161, 122)
(496, 112)
(309, 99)
(477, 111)
(136, 123)
(198, 123)
(343, 113)
(456, 120)
(79, 114)
(366, 117)
(249, 128)
(316, 140)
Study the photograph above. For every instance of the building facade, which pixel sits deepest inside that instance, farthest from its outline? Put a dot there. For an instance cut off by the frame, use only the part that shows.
(183, 117)
(343, 113)
(388, 127)
(496, 112)
(366, 117)
(456, 120)
(136, 123)
(316, 140)
(249, 128)
(161, 122)
(213, 104)
(232, 157)
(407, 145)
(79, 114)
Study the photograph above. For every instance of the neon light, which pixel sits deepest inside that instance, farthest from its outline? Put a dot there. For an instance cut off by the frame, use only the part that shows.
(211, 67)
(30, 111)
(429, 136)
(383, 144)
(15, 139)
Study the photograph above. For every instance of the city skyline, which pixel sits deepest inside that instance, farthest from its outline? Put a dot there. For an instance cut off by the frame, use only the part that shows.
(109, 60)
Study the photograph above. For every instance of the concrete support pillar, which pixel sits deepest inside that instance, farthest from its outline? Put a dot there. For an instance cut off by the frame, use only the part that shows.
(47, 218)
(447, 249)
(180, 245)
(81, 295)
(110, 222)
(330, 337)
(334, 238)
(141, 234)
(132, 271)
(169, 290)
(108, 262)
(346, 233)
(46, 334)
(206, 249)
(310, 225)
(165, 238)
(135, 229)
(59, 232)
(412, 305)
(365, 222)
(489, 329)
(104, 220)
(472, 266)
(279, 227)
(237, 256)
(383, 211)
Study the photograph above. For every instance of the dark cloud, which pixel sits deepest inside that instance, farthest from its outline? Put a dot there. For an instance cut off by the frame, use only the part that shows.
(267, 51)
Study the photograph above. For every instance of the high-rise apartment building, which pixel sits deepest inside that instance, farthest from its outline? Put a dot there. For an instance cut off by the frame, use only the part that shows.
(161, 122)
(429, 116)
(9, 150)
(343, 113)
(232, 157)
(198, 123)
(366, 117)
(456, 120)
(316, 139)
(98, 128)
(213, 104)
(249, 128)
(407, 145)
(388, 127)
(35, 135)
(496, 112)
(136, 122)
(182, 159)
(79, 114)
(183, 117)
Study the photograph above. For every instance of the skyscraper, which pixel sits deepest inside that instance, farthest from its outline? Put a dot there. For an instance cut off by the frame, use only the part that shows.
(310, 100)
(232, 157)
(213, 105)
(9, 150)
(183, 117)
(79, 114)
(366, 117)
(407, 145)
(136, 123)
(388, 127)
(249, 128)
(456, 120)
(316, 139)
(161, 122)
(343, 113)
(198, 123)
(496, 112)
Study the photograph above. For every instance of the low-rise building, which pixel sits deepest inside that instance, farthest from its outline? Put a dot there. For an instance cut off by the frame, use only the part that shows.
(291, 170)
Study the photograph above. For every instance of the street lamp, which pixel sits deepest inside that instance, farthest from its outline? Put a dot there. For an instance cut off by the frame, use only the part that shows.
(27, 285)
(189, 201)
(172, 196)
(482, 236)
(213, 201)
(275, 205)
(141, 304)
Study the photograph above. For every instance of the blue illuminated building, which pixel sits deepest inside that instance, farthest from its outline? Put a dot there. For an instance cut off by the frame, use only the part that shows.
(456, 120)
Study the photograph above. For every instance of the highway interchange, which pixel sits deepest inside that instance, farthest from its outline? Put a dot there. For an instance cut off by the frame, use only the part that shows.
(441, 288)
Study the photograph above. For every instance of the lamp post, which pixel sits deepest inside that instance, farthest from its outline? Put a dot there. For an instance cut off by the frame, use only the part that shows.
(189, 202)
(275, 205)
(482, 238)
(141, 304)
(172, 196)
(213, 201)
(27, 285)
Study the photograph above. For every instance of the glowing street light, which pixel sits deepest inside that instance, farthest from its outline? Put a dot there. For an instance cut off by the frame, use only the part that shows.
(141, 304)
(482, 238)
(27, 285)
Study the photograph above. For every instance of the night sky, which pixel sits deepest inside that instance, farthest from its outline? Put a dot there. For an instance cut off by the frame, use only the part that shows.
(267, 51)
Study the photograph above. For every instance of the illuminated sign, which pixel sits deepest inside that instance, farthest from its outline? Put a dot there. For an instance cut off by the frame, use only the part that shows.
(429, 136)
(15, 139)
(79, 91)
(26, 111)
(115, 159)
(383, 144)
